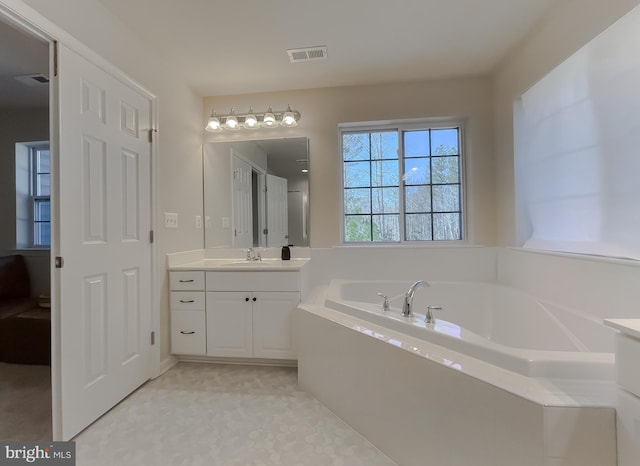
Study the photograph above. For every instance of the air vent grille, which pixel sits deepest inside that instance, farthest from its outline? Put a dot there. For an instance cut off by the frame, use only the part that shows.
(307, 54)
(32, 79)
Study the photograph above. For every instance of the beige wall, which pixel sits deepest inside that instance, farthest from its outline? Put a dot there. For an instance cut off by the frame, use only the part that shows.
(323, 109)
(570, 25)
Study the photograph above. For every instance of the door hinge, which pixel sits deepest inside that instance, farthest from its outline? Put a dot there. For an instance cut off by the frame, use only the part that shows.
(153, 338)
(151, 236)
(151, 131)
(59, 262)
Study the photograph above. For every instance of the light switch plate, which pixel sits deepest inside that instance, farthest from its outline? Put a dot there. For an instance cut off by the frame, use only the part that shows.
(170, 220)
(226, 222)
(198, 221)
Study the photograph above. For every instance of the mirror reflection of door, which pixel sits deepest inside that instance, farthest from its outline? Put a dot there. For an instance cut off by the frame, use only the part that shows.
(242, 204)
(298, 205)
(277, 212)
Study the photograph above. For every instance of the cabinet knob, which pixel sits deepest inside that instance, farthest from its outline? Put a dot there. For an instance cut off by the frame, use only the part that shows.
(246, 299)
(254, 299)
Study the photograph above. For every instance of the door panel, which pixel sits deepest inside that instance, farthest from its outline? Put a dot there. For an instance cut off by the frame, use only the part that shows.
(277, 212)
(104, 215)
(272, 324)
(229, 332)
(242, 204)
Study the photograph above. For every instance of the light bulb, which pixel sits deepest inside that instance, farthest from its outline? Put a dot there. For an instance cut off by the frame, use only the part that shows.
(288, 118)
(250, 121)
(213, 124)
(269, 119)
(232, 122)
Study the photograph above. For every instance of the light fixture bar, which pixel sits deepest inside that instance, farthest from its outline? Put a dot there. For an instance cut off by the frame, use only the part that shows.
(252, 120)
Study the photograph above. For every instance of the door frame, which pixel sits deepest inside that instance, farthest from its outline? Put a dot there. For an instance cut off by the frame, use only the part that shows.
(19, 15)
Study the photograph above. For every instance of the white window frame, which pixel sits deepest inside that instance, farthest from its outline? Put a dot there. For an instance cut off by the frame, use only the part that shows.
(400, 126)
(26, 199)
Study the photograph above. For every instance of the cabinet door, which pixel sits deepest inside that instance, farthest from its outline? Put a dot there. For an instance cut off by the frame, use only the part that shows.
(272, 324)
(229, 323)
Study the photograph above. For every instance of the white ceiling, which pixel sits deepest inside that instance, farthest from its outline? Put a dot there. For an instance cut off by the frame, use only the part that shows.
(239, 46)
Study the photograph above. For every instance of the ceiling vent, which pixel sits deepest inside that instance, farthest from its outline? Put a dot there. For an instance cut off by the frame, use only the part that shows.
(307, 54)
(32, 79)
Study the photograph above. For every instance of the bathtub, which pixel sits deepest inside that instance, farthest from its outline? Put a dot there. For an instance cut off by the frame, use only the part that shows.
(496, 324)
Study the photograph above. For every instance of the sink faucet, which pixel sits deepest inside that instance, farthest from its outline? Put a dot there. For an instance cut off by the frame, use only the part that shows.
(253, 256)
(408, 297)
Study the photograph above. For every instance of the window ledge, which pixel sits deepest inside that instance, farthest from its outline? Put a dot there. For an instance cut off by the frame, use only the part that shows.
(435, 245)
(32, 251)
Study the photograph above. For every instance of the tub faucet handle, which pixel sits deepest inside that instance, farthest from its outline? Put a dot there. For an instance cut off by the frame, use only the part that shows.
(385, 303)
(429, 318)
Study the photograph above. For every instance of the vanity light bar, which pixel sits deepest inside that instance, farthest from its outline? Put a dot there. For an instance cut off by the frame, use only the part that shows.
(270, 119)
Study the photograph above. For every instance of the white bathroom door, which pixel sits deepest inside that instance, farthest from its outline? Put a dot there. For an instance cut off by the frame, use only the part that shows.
(277, 212)
(104, 224)
(242, 204)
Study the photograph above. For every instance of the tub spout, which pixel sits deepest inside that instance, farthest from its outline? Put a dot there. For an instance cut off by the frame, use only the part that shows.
(408, 297)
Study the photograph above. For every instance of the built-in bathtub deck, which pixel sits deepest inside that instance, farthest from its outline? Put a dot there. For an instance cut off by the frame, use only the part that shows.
(559, 392)
(421, 403)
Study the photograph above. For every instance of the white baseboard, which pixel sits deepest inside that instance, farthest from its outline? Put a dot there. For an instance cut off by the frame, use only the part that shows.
(167, 364)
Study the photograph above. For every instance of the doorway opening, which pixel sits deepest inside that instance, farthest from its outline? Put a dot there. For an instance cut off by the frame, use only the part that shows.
(25, 253)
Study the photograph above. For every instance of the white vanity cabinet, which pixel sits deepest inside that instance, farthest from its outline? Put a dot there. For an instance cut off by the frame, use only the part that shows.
(250, 324)
(628, 393)
(249, 313)
(187, 300)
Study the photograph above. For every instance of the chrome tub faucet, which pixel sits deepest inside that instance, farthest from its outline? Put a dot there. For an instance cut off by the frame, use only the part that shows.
(408, 297)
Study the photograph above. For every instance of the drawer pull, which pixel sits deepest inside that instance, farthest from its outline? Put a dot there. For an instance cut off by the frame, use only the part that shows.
(186, 281)
(187, 301)
(186, 333)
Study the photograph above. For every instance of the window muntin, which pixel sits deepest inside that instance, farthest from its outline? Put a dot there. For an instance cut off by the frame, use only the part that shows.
(40, 195)
(402, 184)
(33, 190)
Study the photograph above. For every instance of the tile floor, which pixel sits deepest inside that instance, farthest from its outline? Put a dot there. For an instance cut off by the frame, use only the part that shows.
(223, 415)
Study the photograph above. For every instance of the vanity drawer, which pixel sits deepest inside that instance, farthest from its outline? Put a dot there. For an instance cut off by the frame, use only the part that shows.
(253, 281)
(188, 332)
(188, 280)
(627, 357)
(187, 300)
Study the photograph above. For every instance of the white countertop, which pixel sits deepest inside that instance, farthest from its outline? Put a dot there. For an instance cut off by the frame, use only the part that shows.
(243, 265)
(627, 326)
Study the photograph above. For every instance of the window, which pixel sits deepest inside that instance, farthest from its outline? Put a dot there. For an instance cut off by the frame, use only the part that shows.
(33, 189)
(402, 184)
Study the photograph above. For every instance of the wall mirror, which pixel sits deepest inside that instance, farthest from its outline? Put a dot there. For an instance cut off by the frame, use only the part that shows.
(256, 193)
